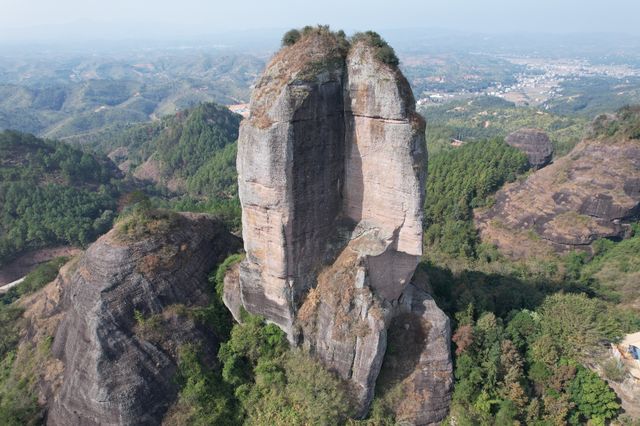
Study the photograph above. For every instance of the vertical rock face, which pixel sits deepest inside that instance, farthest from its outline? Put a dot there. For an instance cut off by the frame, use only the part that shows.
(290, 166)
(384, 165)
(423, 366)
(331, 166)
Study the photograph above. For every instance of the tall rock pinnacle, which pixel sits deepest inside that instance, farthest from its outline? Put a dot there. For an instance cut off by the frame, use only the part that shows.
(331, 166)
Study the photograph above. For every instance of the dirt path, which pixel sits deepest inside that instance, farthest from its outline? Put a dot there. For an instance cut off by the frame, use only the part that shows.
(5, 288)
(28, 261)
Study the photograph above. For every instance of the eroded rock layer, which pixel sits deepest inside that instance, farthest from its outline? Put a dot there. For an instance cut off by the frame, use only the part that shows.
(593, 192)
(117, 371)
(331, 166)
(290, 166)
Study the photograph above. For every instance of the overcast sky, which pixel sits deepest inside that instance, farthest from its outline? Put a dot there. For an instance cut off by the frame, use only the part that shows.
(118, 19)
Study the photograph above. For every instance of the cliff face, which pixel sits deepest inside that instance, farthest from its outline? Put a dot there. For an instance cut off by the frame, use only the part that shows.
(593, 192)
(331, 167)
(116, 370)
(384, 166)
(290, 165)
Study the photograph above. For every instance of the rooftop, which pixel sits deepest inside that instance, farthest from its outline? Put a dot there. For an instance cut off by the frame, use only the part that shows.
(631, 339)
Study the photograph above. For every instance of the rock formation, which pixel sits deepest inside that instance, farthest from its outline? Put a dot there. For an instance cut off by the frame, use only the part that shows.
(593, 192)
(535, 144)
(115, 372)
(331, 166)
(421, 330)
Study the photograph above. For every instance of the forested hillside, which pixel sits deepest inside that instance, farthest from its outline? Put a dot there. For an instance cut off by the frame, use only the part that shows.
(489, 117)
(72, 95)
(532, 335)
(52, 193)
(461, 180)
(189, 157)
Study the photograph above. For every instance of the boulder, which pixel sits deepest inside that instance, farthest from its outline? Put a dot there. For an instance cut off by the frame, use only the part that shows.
(116, 372)
(535, 144)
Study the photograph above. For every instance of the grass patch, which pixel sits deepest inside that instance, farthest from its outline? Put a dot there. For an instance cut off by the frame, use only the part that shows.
(143, 222)
(218, 278)
(19, 375)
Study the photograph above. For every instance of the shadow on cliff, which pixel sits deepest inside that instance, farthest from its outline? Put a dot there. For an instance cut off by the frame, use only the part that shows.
(406, 340)
(353, 187)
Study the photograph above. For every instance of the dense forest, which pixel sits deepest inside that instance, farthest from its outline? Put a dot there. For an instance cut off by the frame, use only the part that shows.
(193, 152)
(52, 193)
(461, 180)
(182, 141)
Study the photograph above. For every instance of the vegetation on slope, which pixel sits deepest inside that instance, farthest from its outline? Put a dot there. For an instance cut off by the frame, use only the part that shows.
(142, 221)
(525, 333)
(383, 52)
(625, 123)
(182, 142)
(260, 380)
(18, 381)
(461, 180)
(51, 193)
(526, 367)
(35, 280)
(528, 334)
(193, 152)
(615, 270)
(489, 117)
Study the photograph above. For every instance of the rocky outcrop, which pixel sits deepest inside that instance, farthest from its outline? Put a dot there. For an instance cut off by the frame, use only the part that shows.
(118, 368)
(290, 172)
(420, 362)
(331, 166)
(535, 144)
(593, 192)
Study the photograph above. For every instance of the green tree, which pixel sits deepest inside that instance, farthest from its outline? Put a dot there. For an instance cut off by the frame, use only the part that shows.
(594, 399)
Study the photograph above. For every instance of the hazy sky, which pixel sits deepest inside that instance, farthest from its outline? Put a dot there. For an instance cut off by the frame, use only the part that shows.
(108, 19)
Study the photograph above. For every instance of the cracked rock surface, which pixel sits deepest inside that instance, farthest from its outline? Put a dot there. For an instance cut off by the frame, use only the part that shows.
(535, 144)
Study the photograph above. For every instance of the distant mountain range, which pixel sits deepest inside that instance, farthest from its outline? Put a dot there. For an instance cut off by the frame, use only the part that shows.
(74, 96)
